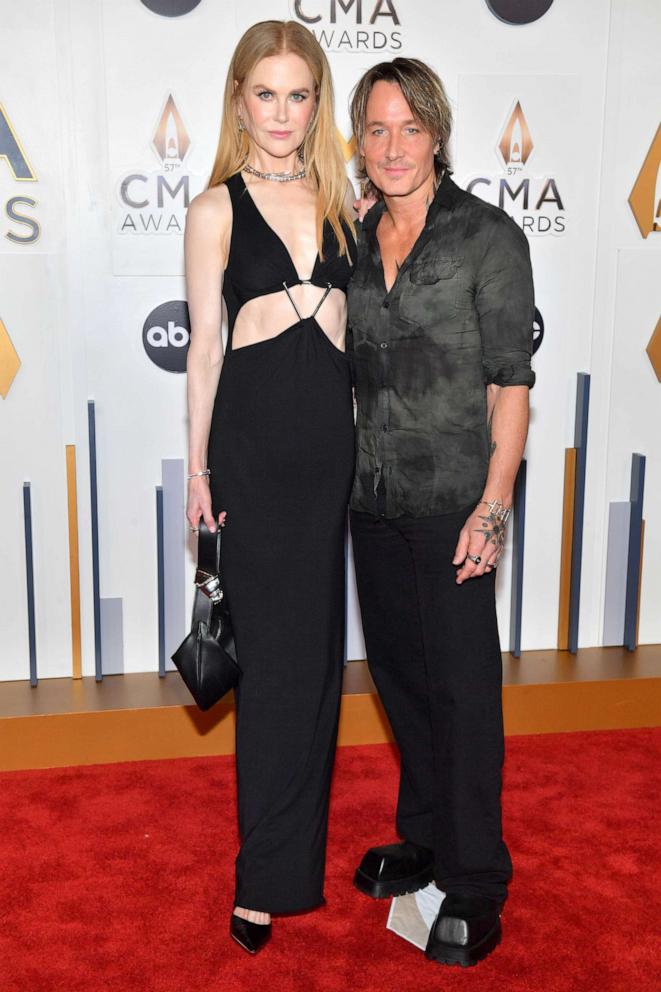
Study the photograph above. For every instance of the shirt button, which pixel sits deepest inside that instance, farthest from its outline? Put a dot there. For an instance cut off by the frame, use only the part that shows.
(386, 304)
(385, 428)
(384, 344)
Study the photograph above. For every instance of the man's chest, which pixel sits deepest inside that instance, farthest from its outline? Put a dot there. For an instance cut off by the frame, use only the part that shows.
(394, 249)
(430, 295)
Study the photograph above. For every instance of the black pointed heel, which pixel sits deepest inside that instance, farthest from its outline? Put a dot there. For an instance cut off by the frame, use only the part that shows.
(251, 936)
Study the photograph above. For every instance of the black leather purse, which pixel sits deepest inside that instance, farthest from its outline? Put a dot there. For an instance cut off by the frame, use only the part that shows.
(206, 658)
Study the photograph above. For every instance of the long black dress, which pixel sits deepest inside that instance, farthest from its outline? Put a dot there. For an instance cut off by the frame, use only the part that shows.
(281, 454)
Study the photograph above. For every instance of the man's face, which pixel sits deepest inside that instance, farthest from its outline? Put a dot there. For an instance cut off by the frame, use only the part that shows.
(398, 153)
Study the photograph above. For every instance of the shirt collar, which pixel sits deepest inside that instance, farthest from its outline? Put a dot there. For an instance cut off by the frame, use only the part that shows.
(446, 196)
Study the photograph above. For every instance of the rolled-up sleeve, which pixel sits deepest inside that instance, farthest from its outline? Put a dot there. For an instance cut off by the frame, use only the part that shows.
(506, 306)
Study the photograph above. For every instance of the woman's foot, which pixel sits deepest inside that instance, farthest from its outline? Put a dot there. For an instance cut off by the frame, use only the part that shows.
(250, 928)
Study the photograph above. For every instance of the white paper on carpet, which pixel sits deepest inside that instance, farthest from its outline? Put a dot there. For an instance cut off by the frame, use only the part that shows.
(412, 916)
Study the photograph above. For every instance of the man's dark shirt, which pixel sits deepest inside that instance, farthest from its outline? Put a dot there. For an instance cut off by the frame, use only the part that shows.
(458, 316)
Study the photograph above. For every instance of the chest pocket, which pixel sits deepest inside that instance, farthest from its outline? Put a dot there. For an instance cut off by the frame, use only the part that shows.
(432, 289)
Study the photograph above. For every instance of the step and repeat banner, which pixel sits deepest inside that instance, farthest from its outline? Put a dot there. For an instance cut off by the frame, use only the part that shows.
(109, 119)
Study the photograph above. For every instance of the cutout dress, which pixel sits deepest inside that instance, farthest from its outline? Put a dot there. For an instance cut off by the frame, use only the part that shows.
(281, 454)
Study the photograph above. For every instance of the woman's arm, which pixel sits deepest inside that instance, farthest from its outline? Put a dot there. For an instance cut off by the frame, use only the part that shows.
(206, 243)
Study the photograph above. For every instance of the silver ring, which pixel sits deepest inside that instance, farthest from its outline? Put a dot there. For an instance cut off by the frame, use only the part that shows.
(194, 530)
(492, 564)
(474, 558)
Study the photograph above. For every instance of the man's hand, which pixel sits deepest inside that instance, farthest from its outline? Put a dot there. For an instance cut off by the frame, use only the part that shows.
(482, 537)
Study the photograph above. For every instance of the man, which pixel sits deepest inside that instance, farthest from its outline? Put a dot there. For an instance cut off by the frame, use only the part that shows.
(441, 312)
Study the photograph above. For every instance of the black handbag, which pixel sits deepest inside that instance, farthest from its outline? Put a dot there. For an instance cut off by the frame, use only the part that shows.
(206, 658)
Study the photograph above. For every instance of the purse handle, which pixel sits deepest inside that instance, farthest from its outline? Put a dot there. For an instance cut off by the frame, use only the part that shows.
(207, 577)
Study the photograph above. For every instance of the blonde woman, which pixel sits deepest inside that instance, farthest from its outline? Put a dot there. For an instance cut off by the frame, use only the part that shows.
(271, 447)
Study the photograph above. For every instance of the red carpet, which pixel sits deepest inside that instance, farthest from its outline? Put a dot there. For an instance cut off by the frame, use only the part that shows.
(117, 878)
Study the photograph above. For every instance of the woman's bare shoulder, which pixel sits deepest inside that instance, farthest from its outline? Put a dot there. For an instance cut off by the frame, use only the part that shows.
(212, 205)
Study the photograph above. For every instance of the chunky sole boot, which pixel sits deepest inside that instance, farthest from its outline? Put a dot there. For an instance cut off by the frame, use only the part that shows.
(465, 956)
(395, 887)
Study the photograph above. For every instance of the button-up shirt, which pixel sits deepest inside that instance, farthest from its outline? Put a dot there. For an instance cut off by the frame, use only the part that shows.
(458, 317)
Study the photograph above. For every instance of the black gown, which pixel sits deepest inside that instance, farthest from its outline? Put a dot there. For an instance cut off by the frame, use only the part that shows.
(281, 454)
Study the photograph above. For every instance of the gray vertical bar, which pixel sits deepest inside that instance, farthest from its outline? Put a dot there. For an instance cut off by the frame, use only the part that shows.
(94, 508)
(518, 545)
(174, 552)
(633, 566)
(160, 568)
(29, 572)
(619, 521)
(112, 636)
(581, 445)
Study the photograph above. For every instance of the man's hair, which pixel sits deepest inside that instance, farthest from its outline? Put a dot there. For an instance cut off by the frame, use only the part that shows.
(423, 91)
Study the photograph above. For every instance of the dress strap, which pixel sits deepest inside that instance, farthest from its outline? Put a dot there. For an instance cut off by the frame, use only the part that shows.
(326, 292)
(307, 282)
(291, 300)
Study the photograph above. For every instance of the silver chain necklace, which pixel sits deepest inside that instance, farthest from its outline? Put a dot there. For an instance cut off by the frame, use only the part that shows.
(278, 177)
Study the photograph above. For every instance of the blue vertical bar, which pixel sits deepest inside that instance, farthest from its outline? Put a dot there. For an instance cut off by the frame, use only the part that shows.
(161, 581)
(29, 572)
(633, 566)
(94, 509)
(518, 544)
(581, 445)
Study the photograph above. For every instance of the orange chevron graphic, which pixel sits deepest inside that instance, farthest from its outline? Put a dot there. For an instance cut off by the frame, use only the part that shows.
(9, 361)
(645, 197)
(348, 147)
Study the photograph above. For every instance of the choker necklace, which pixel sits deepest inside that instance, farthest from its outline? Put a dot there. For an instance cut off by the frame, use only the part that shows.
(278, 177)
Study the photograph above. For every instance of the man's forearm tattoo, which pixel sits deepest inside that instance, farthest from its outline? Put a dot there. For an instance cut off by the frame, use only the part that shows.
(492, 443)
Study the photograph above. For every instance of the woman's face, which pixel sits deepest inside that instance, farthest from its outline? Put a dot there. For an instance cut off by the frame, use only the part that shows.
(276, 103)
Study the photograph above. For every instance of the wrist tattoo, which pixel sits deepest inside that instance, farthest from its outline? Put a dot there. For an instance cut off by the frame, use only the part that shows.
(494, 524)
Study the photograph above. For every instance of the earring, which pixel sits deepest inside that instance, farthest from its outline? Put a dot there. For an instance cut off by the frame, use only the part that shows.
(242, 126)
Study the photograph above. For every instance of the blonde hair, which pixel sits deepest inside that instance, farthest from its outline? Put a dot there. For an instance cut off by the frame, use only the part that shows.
(423, 91)
(321, 152)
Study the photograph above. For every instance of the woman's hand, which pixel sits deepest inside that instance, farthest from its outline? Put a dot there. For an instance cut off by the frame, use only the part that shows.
(199, 505)
(365, 202)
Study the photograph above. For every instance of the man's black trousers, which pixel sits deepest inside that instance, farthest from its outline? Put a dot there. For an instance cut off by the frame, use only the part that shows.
(434, 654)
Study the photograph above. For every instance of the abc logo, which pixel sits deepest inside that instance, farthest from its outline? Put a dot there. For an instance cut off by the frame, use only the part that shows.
(519, 11)
(166, 334)
(537, 331)
(171, 8)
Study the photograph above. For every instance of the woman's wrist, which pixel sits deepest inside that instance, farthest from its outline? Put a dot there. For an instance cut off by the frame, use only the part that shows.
(203, 473)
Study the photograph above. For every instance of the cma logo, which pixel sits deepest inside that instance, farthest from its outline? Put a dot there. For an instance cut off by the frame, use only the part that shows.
(16, 161)
(166, 334)
(353, 25)
(536, 204)
(515, 144)
(156, 202)
(378, 8)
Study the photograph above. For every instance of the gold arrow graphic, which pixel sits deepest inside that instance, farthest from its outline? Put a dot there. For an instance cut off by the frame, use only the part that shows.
(9, 361)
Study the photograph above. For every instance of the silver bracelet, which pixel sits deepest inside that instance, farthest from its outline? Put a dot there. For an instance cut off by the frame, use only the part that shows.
(498, 509)
(194, 475)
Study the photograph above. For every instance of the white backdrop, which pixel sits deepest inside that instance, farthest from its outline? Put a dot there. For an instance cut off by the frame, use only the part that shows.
(84, 85)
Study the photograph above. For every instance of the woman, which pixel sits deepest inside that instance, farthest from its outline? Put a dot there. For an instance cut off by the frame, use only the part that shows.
(274, 415)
